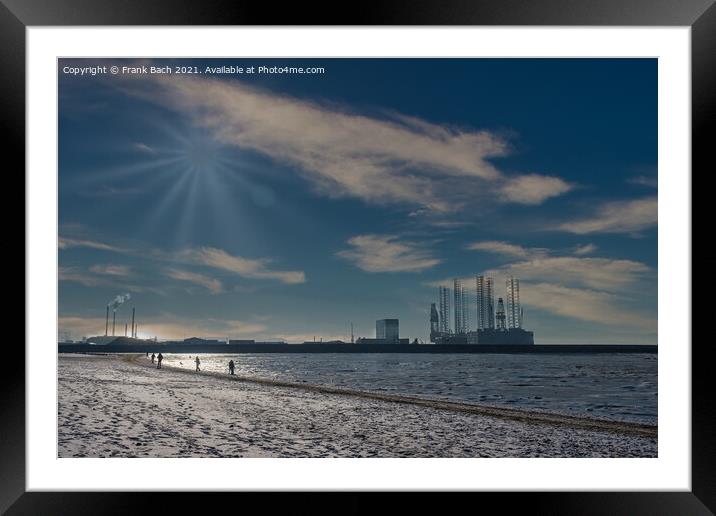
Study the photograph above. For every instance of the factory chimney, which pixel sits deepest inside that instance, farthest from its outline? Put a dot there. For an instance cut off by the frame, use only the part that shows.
(133, 322)
(125, 329)
(114, 318)
(106, 322)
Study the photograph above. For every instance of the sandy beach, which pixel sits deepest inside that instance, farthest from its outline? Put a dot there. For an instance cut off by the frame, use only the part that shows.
(121, 406)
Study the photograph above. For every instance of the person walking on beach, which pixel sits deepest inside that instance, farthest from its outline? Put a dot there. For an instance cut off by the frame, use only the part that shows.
(197, 363)
(159, 361)
(231, 367)
(152, 358)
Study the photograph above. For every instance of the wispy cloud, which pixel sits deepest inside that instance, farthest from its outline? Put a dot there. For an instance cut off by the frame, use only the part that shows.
(617, 217)
(212, 284)
(90, 278)
(67, 243)
(585, 249)
(541, 264)
(533, 188)
(143, 147)
(586, 305)
(76, 275)
(650, 181)
(203, 256)
(387, 253)
(111, 270)
(597, 273)
(248, 268)
(392, 159)
(504, 248)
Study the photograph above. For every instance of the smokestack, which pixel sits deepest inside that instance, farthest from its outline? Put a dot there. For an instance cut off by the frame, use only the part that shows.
(116, 303)
(133, 334)
(125, 329)
(106, 322)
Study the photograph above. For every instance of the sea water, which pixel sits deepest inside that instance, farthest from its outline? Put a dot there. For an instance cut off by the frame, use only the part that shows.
(619, 386)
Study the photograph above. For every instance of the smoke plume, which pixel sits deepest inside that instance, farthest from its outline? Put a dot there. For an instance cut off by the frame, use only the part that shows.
(119, 300)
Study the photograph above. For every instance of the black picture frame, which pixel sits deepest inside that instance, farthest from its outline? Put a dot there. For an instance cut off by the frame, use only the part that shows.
(700, 15)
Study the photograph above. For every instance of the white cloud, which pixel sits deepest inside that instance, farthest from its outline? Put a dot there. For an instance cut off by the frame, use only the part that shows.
(111, 270)
(387, 253)
(649, 181)
(66, 243)
(585, 249)
(93, 279)
(76, 275)
(203, 256)
(586, 305)
(617, 217)
(503, 248)
(212, 284)
(245, 267)
(533, 188)
(597, 273)
(143, 147)
(396, 159)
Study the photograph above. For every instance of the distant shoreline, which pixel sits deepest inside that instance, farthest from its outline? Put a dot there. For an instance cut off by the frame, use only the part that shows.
(179, 347)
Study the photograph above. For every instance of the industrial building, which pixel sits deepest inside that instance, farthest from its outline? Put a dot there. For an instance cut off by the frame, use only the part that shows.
(387, 331)
(199, 340)
(496, 324)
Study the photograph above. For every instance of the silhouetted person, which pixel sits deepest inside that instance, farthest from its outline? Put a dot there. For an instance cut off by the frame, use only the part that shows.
(147, 353)
(159, 361)
(153, 358)
(231, 367)
(197, 363)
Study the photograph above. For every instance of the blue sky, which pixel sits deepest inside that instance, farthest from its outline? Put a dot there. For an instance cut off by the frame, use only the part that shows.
(288, 206)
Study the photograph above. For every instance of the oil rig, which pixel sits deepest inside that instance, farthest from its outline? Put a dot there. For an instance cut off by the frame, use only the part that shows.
(495, 324)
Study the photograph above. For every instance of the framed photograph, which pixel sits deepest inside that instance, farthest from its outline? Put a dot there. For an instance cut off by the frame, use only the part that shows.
(425, 249)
